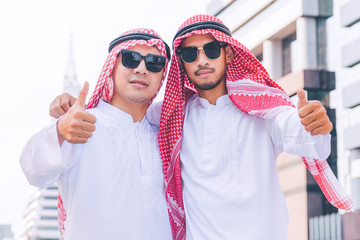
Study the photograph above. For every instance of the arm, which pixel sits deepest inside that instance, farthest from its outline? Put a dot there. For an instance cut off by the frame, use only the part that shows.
(304, 132)
(153, 113)
(289, 135)
(41, 159)
(312, 142)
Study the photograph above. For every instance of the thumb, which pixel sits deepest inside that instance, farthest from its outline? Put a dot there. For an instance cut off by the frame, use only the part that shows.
(302, 98)
(82, 96)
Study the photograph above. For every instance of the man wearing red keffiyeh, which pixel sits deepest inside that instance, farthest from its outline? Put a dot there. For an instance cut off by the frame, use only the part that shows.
(223, 123)
(112, 187)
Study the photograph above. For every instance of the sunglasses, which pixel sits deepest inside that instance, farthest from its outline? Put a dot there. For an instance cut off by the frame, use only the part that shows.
(132, 59)
(212, 51)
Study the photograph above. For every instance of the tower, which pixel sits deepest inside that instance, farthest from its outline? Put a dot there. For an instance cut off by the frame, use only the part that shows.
(71, 85)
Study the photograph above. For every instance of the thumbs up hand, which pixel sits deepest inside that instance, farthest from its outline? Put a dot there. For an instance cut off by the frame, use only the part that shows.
(313, 115)
(77, 125)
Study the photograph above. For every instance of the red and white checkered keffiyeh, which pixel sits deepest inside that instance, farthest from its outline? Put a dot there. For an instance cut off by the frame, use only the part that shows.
(104, 88)
(251, 90)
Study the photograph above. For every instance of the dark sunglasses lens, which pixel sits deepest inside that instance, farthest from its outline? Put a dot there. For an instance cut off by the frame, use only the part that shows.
(131, 59)
(189, 54)
(154, 63)
(212, 50)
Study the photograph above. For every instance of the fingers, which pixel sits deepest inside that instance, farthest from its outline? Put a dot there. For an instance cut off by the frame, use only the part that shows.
(82, 97)
(61, 104)
(319, 126)
(302, 99)
(55, 109)
(314, 118)
(78, 122)
(83, 116)
(325, 129)
(80, 136)
(76, 126)
(88, 117)
(312, 107)
(75, 135)
(88, 127)
(65, 105)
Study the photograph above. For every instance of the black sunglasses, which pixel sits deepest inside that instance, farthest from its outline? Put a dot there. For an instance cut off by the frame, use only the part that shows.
(132, 59)
(212, 51)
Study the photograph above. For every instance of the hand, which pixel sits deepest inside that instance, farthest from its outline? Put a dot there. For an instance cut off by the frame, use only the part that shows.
(77, 125)
(313, 115)
(61, 104)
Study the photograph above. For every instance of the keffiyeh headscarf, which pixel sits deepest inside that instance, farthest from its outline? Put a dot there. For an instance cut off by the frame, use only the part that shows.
(250, 88)
(105, 86)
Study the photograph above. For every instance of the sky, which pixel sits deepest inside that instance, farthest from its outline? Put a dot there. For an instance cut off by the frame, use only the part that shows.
(34, 43)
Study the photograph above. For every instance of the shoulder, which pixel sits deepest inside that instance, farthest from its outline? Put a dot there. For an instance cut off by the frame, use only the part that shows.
(193, 101)
(103, 109)
(289, 113)
(94, 111)
(153, 113)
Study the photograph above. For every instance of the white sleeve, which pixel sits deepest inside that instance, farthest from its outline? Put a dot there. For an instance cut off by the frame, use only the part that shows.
(290, 136)
(41, 159)
(153, 113)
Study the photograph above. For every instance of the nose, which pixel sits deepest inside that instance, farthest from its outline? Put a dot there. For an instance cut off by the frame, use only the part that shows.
(141, 68)
(202, 59)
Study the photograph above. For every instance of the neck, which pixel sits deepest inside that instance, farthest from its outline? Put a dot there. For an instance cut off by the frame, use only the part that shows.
(212, 95)
(136, 110)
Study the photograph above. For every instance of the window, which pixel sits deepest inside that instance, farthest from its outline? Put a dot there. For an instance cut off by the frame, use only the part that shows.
(48, 228)
(50, 208)
(286, 53)
(355, 162)
(51, 197)
(260, 57)
(49, 218)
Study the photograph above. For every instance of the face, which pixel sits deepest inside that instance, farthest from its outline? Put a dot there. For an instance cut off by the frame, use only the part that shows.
(135, 85)
(206, 74)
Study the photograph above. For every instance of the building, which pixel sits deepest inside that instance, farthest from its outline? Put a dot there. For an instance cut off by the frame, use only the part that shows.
(344, 41)
(344, 58)
(5, 232)
(290, 38)
(41, 213)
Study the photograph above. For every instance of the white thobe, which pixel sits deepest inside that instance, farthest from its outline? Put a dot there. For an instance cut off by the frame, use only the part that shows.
(112, 186)
(230, 180)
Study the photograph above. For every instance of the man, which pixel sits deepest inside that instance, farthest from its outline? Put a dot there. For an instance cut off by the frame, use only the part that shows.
(112, 186)
(226, 121)
(233, 130)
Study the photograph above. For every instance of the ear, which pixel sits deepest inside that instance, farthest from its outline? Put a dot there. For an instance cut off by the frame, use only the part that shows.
(229, 54)
(181, 64)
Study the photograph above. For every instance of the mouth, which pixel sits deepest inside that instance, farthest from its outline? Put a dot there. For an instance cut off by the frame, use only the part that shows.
(139, 83)
(204, 72)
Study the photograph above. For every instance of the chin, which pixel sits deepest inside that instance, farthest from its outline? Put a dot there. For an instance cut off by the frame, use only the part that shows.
(139, 99)
(206, 85)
